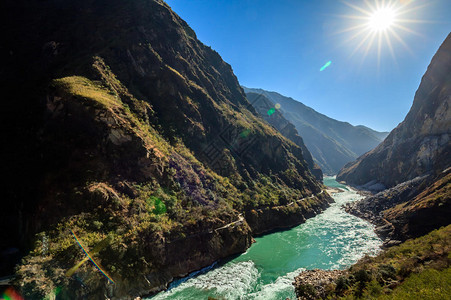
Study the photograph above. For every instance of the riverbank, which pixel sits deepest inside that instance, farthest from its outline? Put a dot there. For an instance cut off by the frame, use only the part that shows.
(404, 217)
(408, 210)
(416, 269)
(314, 284)
(330, 240)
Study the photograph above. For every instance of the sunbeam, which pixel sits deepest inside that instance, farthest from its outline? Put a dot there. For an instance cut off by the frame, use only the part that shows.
(378, 24)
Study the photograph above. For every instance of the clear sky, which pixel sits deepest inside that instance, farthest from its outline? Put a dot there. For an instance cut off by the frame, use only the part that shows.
(282, 45)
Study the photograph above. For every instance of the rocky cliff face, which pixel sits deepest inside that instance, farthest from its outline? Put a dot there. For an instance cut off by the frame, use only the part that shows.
(270, 113)
(422, 142)
(408, 210)
(130, 134)
(332, 143)
(413, 161)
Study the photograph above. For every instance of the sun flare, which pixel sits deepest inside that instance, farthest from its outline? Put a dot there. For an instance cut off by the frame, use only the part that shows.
(382, 19)
(380, 24)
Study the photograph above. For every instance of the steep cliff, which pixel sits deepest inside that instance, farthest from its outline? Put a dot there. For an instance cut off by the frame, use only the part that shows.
(413, 162)
(130, 136)
(421, 143)
(408, 210)
(332, 143)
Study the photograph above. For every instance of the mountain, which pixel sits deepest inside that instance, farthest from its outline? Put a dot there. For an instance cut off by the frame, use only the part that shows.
(421, 143)
(273, 116)
(413, 163)
(412, 212)
(332, 143)
(132, 141)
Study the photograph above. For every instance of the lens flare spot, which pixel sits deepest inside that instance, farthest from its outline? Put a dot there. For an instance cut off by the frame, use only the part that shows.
(11, 294)
(325, 66)
(271, 111)
(277, 106)
(88, 257)
(245, 133)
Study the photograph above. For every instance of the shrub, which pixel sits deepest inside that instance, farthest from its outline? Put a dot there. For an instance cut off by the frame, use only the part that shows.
(362, 276)
(386, 273)
(306, 291)
(373, 289)
(342, 284)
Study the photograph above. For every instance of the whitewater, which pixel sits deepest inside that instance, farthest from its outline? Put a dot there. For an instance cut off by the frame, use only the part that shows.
(333, 239)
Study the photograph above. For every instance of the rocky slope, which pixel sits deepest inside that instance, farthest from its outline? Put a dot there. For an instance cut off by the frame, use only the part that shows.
(413, 161)
(127, 133)
(270, 113)
(313, 284)
(332, 143)
(408, 210)
(422, 142)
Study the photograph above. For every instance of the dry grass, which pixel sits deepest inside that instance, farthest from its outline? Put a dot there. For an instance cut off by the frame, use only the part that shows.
(87, 89)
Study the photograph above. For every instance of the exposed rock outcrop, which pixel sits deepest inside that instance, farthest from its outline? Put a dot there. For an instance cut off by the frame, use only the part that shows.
(314, 284)
(422, 142)
(266, 219)
(409, 210)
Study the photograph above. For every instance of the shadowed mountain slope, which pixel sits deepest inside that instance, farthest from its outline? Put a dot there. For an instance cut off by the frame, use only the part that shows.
(127, 133)
(273, 116)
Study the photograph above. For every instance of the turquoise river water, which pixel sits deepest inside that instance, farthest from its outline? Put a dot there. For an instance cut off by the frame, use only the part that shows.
(333, 239)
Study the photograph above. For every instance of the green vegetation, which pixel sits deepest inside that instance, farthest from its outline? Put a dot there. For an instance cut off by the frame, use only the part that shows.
(416, 269)
(427, 285)
(86, 89)
(177, 196)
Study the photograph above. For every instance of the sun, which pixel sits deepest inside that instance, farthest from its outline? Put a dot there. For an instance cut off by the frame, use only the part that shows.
(380, 24)
(382, 19)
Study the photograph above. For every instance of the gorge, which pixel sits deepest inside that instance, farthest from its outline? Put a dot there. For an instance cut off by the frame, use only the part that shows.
(138, 166)
(333, 239)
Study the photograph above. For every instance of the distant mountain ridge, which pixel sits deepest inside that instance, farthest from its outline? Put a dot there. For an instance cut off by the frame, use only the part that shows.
(332, 143)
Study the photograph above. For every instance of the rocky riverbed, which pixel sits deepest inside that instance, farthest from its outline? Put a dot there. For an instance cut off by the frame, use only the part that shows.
(408, 210)
(313, 284)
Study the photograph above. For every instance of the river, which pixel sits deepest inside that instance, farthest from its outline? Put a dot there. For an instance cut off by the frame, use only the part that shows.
(333, 239)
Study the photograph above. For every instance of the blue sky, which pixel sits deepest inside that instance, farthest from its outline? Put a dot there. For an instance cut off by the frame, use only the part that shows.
(281, 46)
